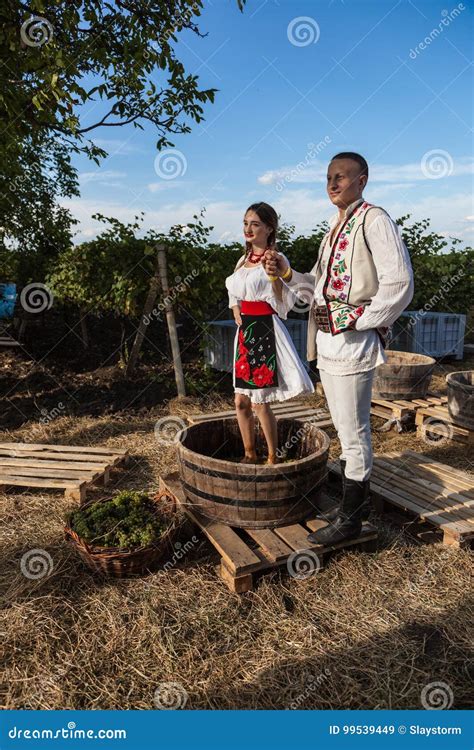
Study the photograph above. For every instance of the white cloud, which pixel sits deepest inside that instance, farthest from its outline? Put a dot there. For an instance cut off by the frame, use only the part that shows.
(159, 187)
(104, 177)
(316, 172)
(302, 207)
(224, 216)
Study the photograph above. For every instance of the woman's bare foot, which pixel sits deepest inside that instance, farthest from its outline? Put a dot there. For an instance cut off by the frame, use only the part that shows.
(272, 459)
(249, 459)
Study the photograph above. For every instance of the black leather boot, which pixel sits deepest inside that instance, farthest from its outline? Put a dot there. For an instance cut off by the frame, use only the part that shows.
(331, 514)
(348, 523)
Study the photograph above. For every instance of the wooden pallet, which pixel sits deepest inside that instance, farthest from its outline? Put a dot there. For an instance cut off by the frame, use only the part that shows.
(401, 409)
(290, 409)
(436, 420)
(7, 340)
(248, 553)
(438, 497)
(69, 467)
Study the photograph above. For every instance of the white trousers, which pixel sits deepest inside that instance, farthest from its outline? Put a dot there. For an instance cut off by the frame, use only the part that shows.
(348, 398)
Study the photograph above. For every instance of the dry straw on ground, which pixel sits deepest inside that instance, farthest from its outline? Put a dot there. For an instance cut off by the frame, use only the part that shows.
(369, 631)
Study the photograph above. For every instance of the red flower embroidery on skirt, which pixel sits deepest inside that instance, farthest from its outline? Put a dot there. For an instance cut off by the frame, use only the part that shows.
(343, 244)
(337, 284)
(262, 376)
(242, 368)
(242, 348)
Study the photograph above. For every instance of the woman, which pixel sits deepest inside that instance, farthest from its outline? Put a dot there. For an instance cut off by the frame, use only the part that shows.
(266, 364)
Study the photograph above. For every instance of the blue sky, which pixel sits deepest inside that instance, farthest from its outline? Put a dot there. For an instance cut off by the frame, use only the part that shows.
(300, 80)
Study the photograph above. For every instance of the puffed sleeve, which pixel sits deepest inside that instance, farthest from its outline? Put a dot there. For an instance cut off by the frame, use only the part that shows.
(394, 272)
(288, 297)
(233, 300)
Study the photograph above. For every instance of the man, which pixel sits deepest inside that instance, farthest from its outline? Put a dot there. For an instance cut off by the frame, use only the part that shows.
(362, 280)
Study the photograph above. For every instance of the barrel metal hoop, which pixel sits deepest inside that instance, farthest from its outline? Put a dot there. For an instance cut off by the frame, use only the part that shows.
(245, 503)
(237, 477)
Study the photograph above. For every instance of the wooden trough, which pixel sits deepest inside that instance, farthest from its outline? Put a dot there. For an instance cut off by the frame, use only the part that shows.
(461, 398)
(404, 376)
(252, 495)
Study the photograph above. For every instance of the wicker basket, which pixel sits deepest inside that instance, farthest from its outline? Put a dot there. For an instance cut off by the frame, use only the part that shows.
(119, 563)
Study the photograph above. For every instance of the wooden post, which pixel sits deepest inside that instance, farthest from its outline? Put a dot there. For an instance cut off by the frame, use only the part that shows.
(142, 326)
(84, 329)
(170, 319)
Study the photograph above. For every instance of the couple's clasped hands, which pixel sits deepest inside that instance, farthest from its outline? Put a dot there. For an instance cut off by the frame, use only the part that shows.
(274, 264)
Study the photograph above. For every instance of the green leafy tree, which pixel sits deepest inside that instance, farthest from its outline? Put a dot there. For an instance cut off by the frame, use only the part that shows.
(58, 60)
(59, 55)
(442, 268)
(35, 174)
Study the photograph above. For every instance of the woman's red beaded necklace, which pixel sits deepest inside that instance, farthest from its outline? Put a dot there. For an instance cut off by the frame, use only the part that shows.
(255, 257)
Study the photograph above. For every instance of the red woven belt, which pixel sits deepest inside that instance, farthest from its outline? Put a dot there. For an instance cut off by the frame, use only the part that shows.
(320, 314)
(256, 308)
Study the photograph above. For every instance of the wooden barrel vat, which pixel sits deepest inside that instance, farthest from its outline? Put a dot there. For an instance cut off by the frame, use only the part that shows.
(253, 496)
(461, 398)
(404, 376)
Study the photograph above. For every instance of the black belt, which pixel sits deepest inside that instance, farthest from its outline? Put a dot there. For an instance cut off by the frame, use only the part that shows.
(320, 315)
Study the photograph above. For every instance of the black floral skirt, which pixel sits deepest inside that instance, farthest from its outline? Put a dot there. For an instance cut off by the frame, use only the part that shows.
(255, 362)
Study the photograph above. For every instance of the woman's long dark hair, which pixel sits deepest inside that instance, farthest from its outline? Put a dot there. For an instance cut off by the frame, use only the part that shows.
(269, 216)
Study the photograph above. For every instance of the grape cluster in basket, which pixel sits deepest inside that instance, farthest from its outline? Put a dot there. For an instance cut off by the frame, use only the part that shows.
(130, 519)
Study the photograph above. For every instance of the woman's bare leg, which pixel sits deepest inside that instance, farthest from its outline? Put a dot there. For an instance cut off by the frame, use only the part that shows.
(246, 420)
(269, 427)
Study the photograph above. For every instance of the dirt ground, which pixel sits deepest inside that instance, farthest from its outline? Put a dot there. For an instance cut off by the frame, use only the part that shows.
(368, 631)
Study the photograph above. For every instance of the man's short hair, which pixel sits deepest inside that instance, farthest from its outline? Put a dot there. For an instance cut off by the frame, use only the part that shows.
(364, 167)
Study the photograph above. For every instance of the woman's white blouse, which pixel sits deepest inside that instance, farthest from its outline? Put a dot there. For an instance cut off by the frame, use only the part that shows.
(253, 285)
